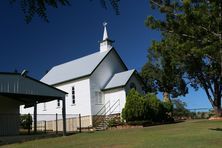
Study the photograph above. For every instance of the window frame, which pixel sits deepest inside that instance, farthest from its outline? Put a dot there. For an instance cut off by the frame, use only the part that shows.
(44, 106)
(58, 103)
(99, 98)
(73, 95)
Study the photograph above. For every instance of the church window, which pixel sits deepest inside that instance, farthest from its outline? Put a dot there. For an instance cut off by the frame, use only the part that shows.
(132, 86)
(73, 95)
(58, 103)
(44, 106)
(98, 97)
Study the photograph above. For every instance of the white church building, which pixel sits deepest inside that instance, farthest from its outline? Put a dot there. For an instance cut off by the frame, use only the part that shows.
(97, 84)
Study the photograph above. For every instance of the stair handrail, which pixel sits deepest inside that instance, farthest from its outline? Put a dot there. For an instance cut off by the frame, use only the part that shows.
(115, 107)
(106, 111)
(102, 113)
(112, 106)
(102, 107)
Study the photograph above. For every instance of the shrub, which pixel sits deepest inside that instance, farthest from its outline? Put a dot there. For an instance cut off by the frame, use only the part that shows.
(133, 110)
(26, 121)
(113, 122)
(152, 106)
(167, 109)
(158, 111)
(146, 108)
(179, 109)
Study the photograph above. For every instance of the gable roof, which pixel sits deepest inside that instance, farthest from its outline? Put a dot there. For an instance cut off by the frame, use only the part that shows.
(119, 79)
(75, 69)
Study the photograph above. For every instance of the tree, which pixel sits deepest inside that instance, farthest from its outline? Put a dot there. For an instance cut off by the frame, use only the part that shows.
(160, 75)
(39, 7)
(191, 39)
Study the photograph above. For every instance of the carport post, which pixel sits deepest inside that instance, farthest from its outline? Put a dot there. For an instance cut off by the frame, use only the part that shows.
(35, 117)
(64, 115)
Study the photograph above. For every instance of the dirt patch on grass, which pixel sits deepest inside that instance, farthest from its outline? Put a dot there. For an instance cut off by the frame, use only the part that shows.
(215, 118)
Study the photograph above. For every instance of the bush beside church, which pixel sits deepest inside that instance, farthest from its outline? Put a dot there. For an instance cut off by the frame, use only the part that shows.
(146, 109)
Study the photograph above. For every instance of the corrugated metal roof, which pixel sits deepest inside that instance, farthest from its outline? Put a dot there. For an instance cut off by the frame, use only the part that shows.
(119, 79)
(14, 83)
(74, 69)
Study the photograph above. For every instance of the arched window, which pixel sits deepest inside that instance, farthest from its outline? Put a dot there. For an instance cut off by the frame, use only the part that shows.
(132, 86)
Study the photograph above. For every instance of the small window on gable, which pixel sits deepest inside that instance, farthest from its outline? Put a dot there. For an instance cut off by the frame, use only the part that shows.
(132, 86)
(58, 103)
(73, 95)
(44, 106)
(99, 97)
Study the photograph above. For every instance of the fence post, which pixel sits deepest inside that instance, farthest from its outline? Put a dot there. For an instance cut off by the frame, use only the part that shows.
(35, 117)
(29, 123)
(45, 126)
(80, 128)
(56, 123)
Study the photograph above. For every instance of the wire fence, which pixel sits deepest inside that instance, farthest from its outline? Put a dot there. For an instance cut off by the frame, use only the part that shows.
(200, 109)
(201, 113)
(15, 124)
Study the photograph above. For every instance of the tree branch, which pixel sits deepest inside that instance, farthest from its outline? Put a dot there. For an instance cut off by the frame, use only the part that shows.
(188, 36)
(210, 57)
(160, 6)
(202, 27)
(207, 92)
(215, 34)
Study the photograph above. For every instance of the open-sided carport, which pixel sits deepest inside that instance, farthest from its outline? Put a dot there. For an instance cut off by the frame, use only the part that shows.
(19, 89)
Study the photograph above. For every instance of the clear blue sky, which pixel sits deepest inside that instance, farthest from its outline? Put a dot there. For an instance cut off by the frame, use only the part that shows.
(73, 32)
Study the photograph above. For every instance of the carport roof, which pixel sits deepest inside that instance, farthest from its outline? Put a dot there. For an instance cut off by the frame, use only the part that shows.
(27, 90)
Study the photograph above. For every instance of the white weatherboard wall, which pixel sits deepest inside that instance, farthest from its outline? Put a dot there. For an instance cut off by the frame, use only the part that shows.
(113, 96)
(9, 116)
(82, 96)
(82, 99)
(100, 77)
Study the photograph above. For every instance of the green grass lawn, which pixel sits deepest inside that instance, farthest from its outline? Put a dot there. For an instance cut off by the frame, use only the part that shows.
(197, 133)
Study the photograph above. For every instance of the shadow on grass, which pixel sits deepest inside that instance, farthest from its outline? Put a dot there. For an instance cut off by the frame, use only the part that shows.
(216, 129)
(5, 140)
(146, 124)
(156, 124)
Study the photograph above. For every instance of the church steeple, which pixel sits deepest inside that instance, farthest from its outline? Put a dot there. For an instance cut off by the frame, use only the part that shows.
(106, 43)
(105, 34)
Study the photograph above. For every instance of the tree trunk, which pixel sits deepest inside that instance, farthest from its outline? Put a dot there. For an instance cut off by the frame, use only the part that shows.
(217, 107)
(218, 111)
(166, 97)
(217, 100)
